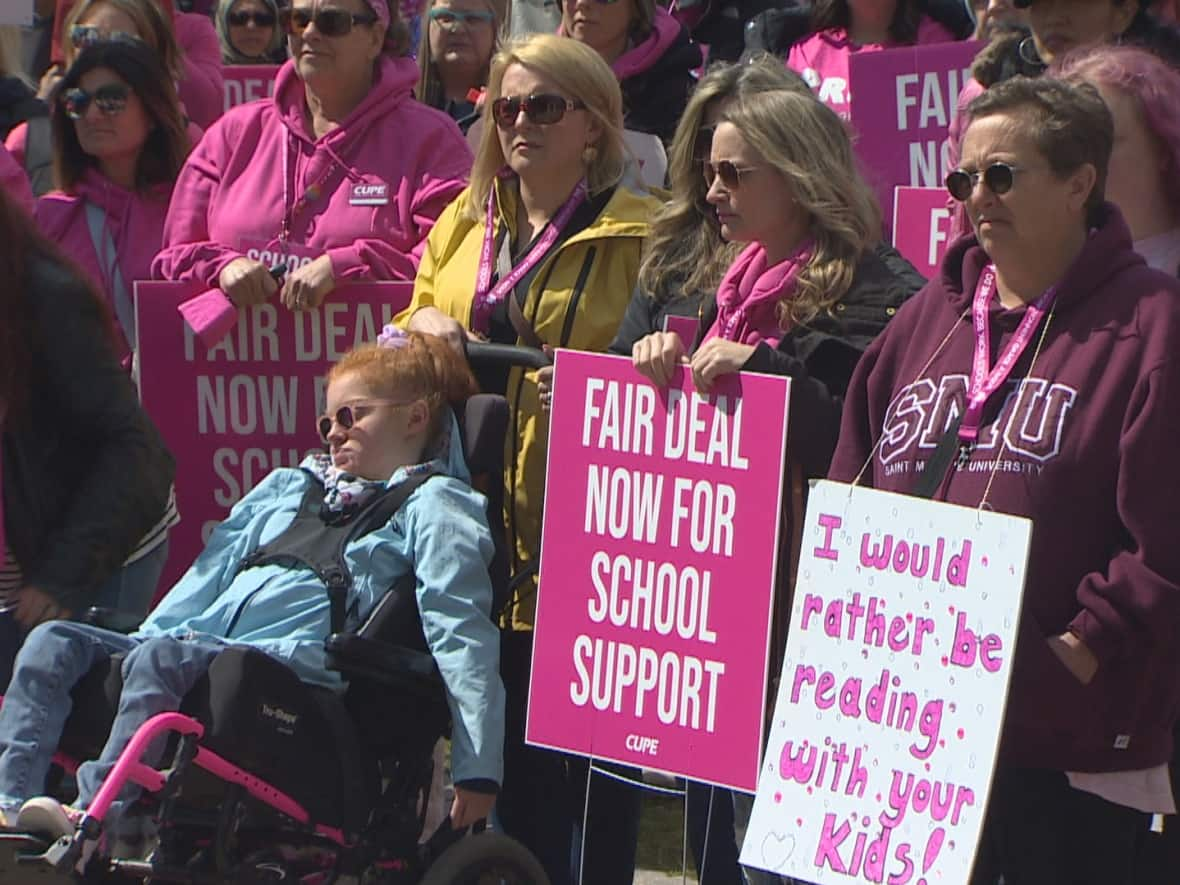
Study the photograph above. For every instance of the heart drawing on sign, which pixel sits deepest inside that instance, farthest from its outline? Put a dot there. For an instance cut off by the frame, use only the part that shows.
(777, 850)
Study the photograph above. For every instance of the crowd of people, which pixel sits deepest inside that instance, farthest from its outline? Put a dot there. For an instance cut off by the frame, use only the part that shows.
(497, 145)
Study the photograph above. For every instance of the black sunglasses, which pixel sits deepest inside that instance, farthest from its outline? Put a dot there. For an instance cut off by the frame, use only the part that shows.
(346, 416)
(110, 98)
(329, 22)
(729, 173)
(542, 109)
(999, 178)
(260, 19)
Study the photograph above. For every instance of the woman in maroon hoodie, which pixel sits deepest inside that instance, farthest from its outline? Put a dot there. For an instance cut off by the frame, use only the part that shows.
(1039, 377)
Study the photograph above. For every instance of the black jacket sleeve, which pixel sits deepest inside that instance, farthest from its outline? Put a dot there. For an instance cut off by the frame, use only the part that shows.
(645, 315)
(93, 405)
(820, 358)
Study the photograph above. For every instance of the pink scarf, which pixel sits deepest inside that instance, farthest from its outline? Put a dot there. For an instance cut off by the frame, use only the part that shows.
(750, 292)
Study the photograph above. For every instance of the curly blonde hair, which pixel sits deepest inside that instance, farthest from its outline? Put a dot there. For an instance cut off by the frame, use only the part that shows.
(809, 146)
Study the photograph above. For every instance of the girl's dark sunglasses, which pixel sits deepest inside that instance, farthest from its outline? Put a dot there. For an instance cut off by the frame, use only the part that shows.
(542, 109)
(329, 22)
(110, 98)
(729, 173)
(260, 19)
(346, 416)
(999, 178)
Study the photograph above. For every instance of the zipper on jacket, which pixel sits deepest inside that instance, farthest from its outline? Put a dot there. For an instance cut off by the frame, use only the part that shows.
(579, 287)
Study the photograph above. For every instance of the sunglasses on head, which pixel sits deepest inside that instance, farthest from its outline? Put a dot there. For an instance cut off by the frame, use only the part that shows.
(329, 22)
(110, 98)
(542, 109)
(729, 173)
(451, 18)
(82, 36)
(347, 416)
(243, 18)
(999, 178)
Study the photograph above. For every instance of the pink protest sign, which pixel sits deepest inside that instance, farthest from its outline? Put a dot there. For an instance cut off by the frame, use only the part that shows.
(921, 226)
(892, 691)
(903, 101)
(245, 83)
(657, 569)
(233, 412)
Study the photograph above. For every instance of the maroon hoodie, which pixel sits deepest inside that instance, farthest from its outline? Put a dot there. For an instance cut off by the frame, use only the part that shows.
(1088, 454)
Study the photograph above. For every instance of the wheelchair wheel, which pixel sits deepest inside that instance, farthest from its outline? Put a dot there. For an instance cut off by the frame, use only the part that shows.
(486, 859)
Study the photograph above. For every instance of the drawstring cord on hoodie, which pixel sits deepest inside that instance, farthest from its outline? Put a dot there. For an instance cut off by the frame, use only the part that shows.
(313, 191)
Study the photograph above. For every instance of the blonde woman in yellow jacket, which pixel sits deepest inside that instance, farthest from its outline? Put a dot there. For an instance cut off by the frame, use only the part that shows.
(542, 248)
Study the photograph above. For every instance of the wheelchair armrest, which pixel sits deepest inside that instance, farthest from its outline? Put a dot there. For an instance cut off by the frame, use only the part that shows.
(112, 619)
(357, 656)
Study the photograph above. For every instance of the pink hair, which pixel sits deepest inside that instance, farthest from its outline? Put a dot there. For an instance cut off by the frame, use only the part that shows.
(1150, 81)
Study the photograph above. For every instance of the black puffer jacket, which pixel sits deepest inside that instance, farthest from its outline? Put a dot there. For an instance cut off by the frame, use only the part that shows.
(18, 103)
(86, 475)
(654, 99)
(818, 358)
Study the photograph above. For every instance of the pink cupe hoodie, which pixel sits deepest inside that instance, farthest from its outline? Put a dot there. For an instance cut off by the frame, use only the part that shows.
(202, 89)
(134, 220)
(14, 181)
(232, 194)
(822, 60)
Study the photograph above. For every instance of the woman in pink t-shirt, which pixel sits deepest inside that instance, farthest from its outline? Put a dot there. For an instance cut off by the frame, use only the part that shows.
(842, 27)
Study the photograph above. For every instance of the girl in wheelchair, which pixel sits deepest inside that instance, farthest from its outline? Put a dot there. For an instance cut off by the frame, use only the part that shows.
(389, 422)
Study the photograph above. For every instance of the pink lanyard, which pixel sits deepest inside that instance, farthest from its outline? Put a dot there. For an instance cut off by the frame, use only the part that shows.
(985, 382)
(487, 297)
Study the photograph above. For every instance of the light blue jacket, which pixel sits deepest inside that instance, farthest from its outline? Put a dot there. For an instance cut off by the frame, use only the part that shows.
(441, 533)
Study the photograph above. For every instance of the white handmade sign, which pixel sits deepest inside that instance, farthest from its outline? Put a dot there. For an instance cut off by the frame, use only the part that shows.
(892, 691)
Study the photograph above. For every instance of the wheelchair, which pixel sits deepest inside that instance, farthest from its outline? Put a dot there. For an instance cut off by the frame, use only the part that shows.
(272, 780)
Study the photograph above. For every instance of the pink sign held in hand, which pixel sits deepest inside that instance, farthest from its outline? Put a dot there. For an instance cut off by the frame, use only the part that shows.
(922, 222)
(658, 569)
(246, 83)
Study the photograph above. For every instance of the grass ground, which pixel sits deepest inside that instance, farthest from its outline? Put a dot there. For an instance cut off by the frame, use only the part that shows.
(661, 835)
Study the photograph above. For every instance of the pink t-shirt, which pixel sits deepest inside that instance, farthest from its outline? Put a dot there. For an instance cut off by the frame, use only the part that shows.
(822, 60)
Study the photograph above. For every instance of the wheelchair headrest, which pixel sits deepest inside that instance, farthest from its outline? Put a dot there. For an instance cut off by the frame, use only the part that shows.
(483, 421)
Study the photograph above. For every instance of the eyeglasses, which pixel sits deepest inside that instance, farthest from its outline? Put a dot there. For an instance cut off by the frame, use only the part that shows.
(346, 416)
(999, 178)
(111, 99)
(729, 173)
(329, 22)
(453, 18)
(542, 109)
(245, 17)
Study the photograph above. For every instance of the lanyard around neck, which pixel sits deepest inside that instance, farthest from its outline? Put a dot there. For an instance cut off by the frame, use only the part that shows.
(985, 379)
(487, 296)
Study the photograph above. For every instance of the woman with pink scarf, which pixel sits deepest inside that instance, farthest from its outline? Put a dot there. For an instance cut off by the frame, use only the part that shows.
(809, 292)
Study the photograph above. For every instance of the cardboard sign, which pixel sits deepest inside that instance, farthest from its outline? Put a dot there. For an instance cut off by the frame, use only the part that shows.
(903, 101)
(233, 412)
(893, 689)
(658, 559)
(922, 226)
(244, 83)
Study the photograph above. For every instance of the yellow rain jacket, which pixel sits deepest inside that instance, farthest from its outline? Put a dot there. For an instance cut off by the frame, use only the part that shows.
(577, 299)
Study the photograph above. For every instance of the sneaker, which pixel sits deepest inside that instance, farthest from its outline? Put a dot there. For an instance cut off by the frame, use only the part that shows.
(46, 816)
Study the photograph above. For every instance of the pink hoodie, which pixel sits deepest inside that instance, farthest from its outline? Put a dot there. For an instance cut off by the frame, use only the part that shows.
(367, 193)
(202, 90)
(135, 221)
(14, 181)
(822, 60)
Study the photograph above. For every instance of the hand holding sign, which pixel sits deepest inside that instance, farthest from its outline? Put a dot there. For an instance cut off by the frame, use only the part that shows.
(246, 282)
(307, 286)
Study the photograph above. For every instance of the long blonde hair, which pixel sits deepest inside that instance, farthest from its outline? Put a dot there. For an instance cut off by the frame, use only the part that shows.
(684, 252)
(579, 72)
(807, 143)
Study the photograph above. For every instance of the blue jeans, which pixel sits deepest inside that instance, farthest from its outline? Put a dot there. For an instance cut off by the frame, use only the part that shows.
(130, 589)
(157, 674)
